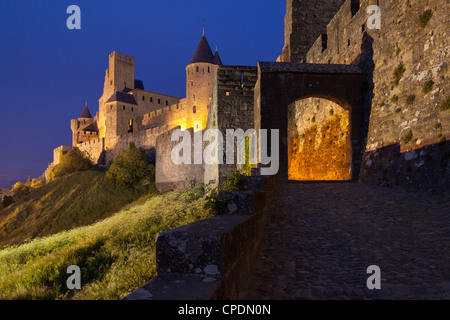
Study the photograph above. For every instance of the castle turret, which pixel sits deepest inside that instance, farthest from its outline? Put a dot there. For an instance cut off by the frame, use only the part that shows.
(119, 77)
(217, 59)
(84, 128)
(200, 74)
(86, 114)
(121, 114)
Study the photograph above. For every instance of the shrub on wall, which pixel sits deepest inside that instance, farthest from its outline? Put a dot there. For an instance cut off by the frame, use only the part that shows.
(424, 18)
(446, 105)
(247, 166)
(428, 86)
(233, 183)
(398, 73)
(216, 206)
(408, 137)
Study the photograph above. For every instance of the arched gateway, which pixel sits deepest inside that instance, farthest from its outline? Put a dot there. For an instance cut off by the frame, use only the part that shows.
(281, 86)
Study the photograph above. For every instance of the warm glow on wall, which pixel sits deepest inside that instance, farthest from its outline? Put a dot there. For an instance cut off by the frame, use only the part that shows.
(319, 142)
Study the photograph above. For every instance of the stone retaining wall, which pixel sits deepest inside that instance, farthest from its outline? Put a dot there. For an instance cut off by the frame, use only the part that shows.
(211, 258)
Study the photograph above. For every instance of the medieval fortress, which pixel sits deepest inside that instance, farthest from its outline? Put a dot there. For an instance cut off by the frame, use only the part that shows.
(350, 102)
(128, 113)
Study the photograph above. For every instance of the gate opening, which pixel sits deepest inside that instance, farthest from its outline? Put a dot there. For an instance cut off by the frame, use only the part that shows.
(319, 146)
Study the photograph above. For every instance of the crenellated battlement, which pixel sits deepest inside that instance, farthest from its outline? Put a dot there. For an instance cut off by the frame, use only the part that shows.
(304, 22)
(343, 34)
(237, 80)
(121, 56)
(164, 115)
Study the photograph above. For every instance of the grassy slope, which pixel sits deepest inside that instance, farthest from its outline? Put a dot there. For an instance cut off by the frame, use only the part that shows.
(72, 201)
(116, 255)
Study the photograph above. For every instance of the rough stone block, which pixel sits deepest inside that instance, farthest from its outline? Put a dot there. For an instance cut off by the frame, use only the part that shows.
(176, 287)
(255, 183)
(198, 248)
(238, 202)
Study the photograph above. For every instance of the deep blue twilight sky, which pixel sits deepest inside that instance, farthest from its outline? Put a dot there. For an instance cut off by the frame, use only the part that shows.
(48, 73)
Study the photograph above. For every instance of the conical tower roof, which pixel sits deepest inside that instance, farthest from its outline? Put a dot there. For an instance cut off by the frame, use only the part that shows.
(86, 113)
(217, 59)
(203, 52)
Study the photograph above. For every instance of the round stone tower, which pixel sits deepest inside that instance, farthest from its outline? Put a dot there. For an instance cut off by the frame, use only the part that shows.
(200, 74)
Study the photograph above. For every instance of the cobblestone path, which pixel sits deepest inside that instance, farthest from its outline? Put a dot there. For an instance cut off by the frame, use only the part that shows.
(320, 238)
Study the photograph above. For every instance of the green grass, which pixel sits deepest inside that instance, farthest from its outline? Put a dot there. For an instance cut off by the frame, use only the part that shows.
(116, 255)
(78, 199)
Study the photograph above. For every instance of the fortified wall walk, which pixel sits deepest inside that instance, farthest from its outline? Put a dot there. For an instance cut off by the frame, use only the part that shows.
(320, 238)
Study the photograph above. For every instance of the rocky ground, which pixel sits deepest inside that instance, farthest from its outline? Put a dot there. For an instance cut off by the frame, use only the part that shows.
(320, 238)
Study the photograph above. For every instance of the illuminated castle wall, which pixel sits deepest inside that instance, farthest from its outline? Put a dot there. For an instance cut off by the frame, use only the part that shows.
(129, 113)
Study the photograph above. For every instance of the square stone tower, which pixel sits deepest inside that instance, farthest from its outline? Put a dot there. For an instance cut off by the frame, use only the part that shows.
(304, 22)
(118, 77)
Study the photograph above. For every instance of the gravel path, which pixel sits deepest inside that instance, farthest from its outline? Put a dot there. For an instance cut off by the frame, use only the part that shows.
(320, 238)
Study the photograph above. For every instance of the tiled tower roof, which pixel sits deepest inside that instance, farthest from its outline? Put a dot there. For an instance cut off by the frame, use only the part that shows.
(217, 59)
(122, 97)
(86, 113)
(203, 52)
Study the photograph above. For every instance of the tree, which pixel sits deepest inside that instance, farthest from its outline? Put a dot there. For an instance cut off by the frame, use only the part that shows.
(73, 161)
(131, 167)
(21, 190)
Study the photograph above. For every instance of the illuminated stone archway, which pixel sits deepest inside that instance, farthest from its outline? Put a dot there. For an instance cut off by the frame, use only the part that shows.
(281, 84)
(319, 146)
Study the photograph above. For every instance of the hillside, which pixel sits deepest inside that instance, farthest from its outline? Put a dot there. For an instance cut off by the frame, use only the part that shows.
(115, 255)
(78, 199)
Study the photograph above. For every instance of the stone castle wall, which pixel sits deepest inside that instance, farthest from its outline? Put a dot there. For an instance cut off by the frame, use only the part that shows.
(232, 90)
(149, 102)
(174, 115)
(232, 107)
(304, 22)
(171, 176)
(103, 150)
(403, 115)
(93, 148)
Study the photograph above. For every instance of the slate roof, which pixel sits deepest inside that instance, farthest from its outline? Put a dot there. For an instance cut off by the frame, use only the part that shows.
(139, 84)
(217, 59)
(91, 128)
(86, 113)
(122, 97)
(203, 52)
